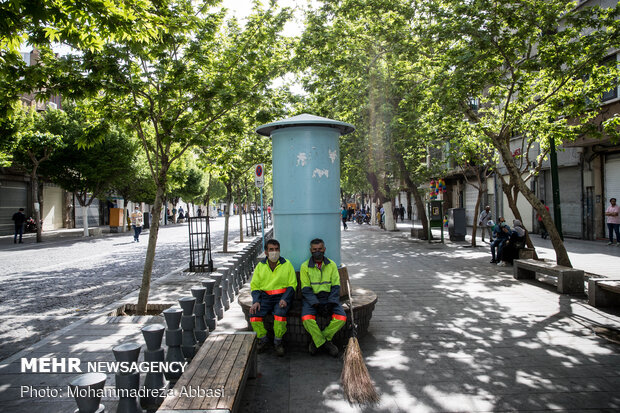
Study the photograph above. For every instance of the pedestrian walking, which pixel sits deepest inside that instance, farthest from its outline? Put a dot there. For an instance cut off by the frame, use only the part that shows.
(401, 212)
(20, 218)
(136, 223)
(613, 221)
(409, 211)
(483, 220)
(344, 214)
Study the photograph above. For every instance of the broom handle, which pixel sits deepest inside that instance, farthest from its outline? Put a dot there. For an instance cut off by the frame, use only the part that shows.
(351, 306)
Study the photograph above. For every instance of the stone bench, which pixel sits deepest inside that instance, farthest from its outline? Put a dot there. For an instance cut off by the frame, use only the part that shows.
(217, 375)
(95, 232)
(570, 280)
(604, 292)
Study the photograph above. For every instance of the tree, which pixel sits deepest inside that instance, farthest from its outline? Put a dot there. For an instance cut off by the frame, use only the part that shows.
(89, 172)
(44, 24)
(476, 159)
(346, 73)
(34, 145)
(175, 92)
(535, 66)
(234, 157)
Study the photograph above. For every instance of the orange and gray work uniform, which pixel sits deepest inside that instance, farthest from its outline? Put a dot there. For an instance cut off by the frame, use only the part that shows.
(268, 288)
(320, 287)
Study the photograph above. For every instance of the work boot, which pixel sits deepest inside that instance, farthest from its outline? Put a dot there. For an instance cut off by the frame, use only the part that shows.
(279, 348)
(263, 343)
(331, 348)
(312, 348)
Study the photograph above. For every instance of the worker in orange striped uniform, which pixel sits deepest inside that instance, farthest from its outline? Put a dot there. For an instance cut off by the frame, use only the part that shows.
(273, 289)
(320, 287)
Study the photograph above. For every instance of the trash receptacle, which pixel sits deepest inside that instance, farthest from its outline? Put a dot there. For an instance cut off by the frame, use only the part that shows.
(146, 220)
(457, 228)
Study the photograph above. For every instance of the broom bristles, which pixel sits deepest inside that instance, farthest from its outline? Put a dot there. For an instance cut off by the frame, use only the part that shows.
(356, 382)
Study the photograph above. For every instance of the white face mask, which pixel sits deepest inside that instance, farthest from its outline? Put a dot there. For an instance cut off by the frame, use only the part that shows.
(274, 256)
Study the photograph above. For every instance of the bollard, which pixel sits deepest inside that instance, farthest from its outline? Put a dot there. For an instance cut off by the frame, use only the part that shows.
(174, 338)
(188, 321)
(200, 329)
(83, 386)
(210, 317)
(225, 296)
(227, 270)
(127, 383)
(239, 270)
(234, 273)
(218, 307)
(154, 382)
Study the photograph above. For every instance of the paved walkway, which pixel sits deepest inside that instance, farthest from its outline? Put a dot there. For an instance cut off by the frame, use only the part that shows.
(450, 333)
(47, 286)
(453, 333)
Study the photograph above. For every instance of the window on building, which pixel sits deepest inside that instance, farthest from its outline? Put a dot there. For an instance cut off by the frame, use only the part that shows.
(474, 104)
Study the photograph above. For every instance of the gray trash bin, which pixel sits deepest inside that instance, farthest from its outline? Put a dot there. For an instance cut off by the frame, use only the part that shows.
(457, 228)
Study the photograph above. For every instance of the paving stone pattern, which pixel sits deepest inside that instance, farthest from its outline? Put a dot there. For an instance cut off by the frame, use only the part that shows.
(453, 333)
(45, 287)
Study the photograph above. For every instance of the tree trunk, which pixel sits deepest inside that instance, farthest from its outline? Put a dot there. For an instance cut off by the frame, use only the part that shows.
(476, 213)
(85, 220)
(420, 207)
(240, 210)
(68, 206)
(36, 206)
(379, 196)
(413, 188)
(227, 216)
(390, 223)
(145, 287)
(409, 204)
(515, 175)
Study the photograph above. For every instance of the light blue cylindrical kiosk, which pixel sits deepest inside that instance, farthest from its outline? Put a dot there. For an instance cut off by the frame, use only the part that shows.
(306, 184)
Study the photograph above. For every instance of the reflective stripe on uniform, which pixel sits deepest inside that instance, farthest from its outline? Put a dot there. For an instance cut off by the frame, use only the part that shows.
(339, 317)
(274, 292)
(278, 318)
(308, 317)
(256, 319)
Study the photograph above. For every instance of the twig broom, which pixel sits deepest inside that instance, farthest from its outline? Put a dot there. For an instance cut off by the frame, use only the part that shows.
(356, 382)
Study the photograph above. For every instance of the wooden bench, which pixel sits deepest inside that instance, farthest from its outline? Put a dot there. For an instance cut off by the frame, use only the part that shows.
(216, 375)
(604, 292)
(570, 280)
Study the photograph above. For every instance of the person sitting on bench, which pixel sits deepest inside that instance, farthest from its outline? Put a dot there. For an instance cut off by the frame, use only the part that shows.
(320, 287)
(501, 232)
(273, 289)
(511, 248)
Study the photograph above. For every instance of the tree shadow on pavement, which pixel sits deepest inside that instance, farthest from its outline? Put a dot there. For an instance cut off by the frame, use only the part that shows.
(453, 333)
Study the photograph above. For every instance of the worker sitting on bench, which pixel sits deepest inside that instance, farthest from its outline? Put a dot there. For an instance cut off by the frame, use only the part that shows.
(320, 287)
(273, 289)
